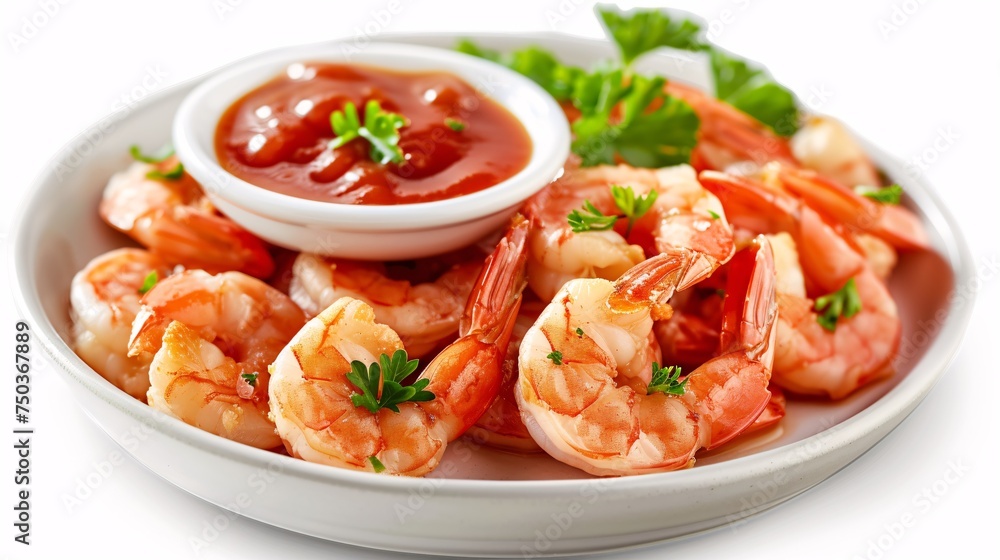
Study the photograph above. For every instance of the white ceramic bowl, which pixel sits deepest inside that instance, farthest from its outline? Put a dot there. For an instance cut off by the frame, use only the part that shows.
(479, 502)
(393, 232)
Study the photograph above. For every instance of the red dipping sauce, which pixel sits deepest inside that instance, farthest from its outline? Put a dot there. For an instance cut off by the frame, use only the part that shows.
(276, 137)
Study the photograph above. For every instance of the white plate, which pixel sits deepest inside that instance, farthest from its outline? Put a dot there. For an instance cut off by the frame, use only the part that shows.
(479, 502)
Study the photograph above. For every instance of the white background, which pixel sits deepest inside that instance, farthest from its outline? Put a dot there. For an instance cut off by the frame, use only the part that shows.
(903, 73)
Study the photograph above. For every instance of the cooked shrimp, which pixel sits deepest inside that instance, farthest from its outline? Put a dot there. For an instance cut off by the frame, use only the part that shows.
(175, 220)
(810, 358)
(105, 299)
(311, 396)
(691, 337)
(685, 220)
(840, 163)
(585, 399)
(894, 224)
(905, 230)
(501, 426)
(825, 146)
(213, 338)
(423, 314)
(774, 411)
(727, 136)
(882, 257)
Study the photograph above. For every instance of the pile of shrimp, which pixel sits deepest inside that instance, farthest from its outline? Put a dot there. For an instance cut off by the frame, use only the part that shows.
(757, 274)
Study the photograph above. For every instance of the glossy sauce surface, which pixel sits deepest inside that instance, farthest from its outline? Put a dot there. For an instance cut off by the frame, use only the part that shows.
(277, 136)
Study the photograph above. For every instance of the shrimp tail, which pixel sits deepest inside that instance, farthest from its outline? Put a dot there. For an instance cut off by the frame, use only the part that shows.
(774, 411)
(147, 332)
(729, 128)
(893, 224)
(655, 280)
(496, 296)
(466, 376)
(733, 388)
(759, 208)
(212, 243)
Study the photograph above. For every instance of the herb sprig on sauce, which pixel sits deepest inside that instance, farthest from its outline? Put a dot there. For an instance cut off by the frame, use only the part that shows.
(380, 129)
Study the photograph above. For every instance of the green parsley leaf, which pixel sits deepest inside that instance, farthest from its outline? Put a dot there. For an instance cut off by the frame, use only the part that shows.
(886, 195)
(455, 124)
(631, 206)
(596, 93)
(541, 66)
(643, 137)
(589, 218)
(534, 62)
(714, 215)
(579, 332)
(845, 303)
(666, 380)
(655, 130)
(754, 92)
(556, 357)
(391, 371)
(148, 282)
(250, 378)
(163, 155)
(639, 31)
(468, 47)
(381, 130)
(376, 464)
(172, 174)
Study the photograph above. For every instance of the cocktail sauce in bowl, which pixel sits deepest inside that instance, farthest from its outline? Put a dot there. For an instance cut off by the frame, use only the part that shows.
(393, 152)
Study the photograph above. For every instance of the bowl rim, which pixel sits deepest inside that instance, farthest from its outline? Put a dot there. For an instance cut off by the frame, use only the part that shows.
(550, 141)
(900, 399)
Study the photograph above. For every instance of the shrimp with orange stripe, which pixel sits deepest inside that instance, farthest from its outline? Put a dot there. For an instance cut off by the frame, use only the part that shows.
(593, 394)
(336, 394)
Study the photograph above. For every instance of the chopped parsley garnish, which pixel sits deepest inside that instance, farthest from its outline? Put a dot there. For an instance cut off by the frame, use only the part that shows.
(468, 47)
(534, 62)
(633, 207)
(579, 332)
(250, 378)
(845, 303)
(589, 218)
(886, 195)
(652, 129)
(754, 92)
(148, 282)
(390, 371)
(714, 215)
(649, 128)
(381, 130)
(376, 464)
(172, 174)
(743, 86)
(163, 155)
(666, 380)
(556, 357)
(639, 31)
(455, 124)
